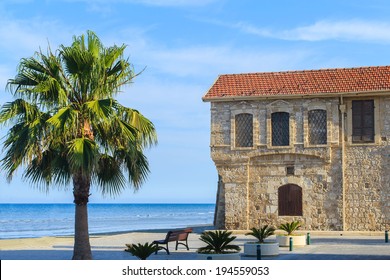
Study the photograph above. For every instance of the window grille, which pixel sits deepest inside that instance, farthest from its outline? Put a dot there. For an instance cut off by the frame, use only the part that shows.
(363, 121)
(244, 130)
(290, 200)
(280, 129)
(317, 127)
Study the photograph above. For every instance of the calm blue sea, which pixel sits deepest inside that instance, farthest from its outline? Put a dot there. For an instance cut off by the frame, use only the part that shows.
(36, 220)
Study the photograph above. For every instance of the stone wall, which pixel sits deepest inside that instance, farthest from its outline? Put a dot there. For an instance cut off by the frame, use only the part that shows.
(367, 177)
(250, 177)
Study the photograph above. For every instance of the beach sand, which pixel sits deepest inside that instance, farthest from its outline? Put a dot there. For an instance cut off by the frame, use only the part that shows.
(104, 246)
(324, 246)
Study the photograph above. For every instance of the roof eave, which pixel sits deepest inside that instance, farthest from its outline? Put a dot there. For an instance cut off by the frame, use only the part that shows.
(296, 96)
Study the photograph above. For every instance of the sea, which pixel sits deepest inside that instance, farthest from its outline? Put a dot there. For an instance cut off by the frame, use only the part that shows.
(38, 220)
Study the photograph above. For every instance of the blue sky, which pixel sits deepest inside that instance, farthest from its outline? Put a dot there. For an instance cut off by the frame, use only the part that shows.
(185, 45)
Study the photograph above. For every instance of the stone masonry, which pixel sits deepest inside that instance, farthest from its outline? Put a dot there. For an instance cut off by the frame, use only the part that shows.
(345, 185)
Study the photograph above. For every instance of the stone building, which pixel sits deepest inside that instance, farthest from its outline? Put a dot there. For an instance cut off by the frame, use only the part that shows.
(311, 145)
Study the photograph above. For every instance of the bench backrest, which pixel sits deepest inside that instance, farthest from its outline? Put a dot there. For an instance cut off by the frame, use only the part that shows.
(178, 235)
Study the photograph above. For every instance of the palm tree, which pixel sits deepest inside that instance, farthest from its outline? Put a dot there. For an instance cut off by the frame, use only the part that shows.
(67, 127)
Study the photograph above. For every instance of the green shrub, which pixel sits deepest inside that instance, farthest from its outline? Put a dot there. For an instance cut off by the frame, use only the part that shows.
(262, 233)
(218, 242)
(290, 227)
(141, 251)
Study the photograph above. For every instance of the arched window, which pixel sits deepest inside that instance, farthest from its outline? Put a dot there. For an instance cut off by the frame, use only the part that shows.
(290, 200)
(244, 130)
(280, 122)
(317, 127)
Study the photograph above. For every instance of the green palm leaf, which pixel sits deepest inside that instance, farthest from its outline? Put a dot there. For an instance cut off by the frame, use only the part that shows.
(101, 108)
(82, 154)
(218, 242)
(262, 233)
(141, 251)
(289, 228)
(109, 175)
(64, 118)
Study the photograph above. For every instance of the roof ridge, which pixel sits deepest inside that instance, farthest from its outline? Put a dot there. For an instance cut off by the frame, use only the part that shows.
(306, 70)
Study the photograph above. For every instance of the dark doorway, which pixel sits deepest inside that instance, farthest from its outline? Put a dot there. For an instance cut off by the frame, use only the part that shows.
(290, 200)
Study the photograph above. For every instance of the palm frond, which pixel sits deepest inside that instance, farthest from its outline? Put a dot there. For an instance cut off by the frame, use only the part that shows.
(109, 175)
(141, 251)
(101, 108)
(146, 132)
(137, 166)
(262, 233)
(40, 80)
(218, 242)
(290, 227)
(22, 143)
(82, 154)
(17, 111)
(64, 118)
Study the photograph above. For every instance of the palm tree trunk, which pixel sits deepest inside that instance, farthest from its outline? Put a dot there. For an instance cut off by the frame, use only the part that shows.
(82, 247)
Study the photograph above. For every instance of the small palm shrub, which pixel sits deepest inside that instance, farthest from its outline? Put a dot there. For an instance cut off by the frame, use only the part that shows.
(290, 227)
(262, 233)
(218, 242)
(141, 251)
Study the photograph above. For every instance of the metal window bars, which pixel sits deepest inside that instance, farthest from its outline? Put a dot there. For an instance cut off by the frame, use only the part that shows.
(244, 130)
(317, 127)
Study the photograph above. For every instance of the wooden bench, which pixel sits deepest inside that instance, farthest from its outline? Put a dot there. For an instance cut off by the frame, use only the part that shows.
(178, 236)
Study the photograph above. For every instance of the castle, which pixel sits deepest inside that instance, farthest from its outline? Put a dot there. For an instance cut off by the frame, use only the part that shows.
(308, 145)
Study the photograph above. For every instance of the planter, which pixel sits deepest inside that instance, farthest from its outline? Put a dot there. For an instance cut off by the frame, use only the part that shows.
(230, 256)
(267, 248)
(284, 240)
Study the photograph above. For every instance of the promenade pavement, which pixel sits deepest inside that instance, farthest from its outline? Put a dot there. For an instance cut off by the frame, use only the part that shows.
(339, 248)
(324, 246)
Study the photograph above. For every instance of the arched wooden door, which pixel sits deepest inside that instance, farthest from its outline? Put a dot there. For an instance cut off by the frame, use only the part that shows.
(290, 200)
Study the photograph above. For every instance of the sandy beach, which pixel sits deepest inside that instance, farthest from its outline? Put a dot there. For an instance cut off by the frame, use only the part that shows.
(104, 246)
(324, 245)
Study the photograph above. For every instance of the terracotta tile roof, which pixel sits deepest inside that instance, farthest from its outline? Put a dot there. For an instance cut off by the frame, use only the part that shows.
(308, 82)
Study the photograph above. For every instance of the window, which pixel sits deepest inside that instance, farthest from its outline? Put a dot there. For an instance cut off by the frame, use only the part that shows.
(363, 121)
(244, 130)
(280, 129)
(290, 170)
(317, 127)
(290, 200)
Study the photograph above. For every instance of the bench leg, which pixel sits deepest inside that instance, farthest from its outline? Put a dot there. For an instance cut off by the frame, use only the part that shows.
(162, 248)
(167, 249)
(186, 245)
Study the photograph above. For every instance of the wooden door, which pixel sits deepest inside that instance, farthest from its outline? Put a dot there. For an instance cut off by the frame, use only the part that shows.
(290, 200)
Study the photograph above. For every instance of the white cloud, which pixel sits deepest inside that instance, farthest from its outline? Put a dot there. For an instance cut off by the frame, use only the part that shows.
(24, 37)
(344, 30)
(352, 30)
(172, 3)
(206, 61)
(203, 61)
(17, 1)
(250, 29)
(106, 8)
(160, 3)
